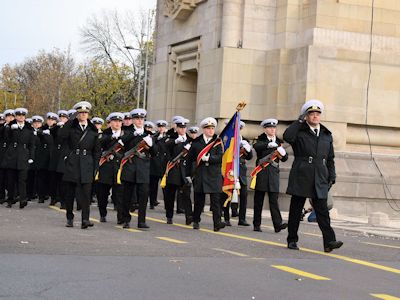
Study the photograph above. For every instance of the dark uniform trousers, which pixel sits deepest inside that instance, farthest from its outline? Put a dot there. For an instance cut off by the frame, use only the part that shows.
(57, 188)
(139, 191)
(103, 191)
(16, 179)
(82, 192)
(180, 200)
(170, 193)
(323, 219)
(42, 177)
(273, 206)
(3, 183)
(215, 206)
(31, 184)
(242, 204)
(153, 193)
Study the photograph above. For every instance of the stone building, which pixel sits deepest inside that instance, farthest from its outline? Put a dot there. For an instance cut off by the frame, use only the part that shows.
(275, 54)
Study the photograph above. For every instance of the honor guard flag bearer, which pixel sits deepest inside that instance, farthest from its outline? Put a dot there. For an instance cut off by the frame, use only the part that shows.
(230, 137)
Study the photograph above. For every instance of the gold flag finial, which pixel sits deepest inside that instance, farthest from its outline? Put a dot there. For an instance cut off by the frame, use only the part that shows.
(241, 105)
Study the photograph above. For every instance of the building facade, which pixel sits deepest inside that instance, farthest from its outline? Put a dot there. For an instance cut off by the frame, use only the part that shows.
(275, 55)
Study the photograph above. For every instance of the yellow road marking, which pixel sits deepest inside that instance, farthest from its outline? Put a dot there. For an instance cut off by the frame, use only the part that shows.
(128, 229)
(311, 234)
(56, 208)
(267, 226)
(300, 273)
(63, 210)
(171, 240)
(381, 245)
(385, 297)
(272, 227)
(231, 252)
(246, 238)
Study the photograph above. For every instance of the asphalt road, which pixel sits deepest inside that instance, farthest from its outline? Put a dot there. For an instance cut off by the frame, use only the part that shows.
(42, 259)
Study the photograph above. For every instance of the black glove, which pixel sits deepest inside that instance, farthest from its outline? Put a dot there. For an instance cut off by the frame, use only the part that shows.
(302, 117)
(330, 184)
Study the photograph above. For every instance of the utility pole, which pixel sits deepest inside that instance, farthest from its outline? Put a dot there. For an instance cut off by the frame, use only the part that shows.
(147, 60)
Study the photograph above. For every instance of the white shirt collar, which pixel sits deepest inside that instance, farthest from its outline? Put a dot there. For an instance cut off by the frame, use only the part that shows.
(206, 139)
(318, 127)
(116, 131)
(139, 130)
(271, 138)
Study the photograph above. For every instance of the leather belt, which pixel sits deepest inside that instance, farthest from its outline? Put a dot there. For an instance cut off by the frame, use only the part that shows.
(313, 160)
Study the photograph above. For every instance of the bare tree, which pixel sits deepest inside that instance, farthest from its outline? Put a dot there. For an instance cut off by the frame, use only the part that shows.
(118, 39)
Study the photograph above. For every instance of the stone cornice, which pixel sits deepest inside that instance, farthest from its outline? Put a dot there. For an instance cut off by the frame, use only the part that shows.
(180, 9)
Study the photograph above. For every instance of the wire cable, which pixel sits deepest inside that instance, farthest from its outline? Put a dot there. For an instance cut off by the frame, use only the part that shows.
(385, 185)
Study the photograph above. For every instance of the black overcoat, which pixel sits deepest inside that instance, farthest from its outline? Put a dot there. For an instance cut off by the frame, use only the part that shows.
(20, 147)
(137, 169)
(268, 178)
(44, 149)
(177, 174)
(313, 167)
(159, 161)
(207, 176)
(109, 170)
(83, 158)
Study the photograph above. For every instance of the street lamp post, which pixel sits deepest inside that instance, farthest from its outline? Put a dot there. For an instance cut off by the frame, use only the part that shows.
(139, 70)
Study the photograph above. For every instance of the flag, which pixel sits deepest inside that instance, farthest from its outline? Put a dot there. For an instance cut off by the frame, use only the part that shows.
(230, 138)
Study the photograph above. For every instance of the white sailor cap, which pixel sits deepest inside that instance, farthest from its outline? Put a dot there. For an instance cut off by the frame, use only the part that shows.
(115, 116)
(71, 112)
(181, 122)
(82, 106)
(269, 123)
(51, 115)
(139, 113)
(9, 112)
(312, 105)
(149, 124)
(160, 123)
(127, 115)
(62, 113)
(21, 111)
(174, 118)
(2, 116)
(97, 120)
(208, 122)
(29, 120)
(193, 129)
(37, 119)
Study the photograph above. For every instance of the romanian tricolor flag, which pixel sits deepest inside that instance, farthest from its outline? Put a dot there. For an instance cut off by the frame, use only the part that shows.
(230, 138)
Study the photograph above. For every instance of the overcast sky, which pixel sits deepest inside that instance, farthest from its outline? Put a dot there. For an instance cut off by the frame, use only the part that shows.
(27, 26)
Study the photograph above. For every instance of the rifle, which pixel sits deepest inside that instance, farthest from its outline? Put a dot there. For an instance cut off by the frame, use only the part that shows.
(136, 150)
(108, 155)
(172, 164)
(262, 164)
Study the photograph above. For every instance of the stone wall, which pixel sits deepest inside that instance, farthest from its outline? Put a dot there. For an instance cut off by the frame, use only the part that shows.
(276, 54)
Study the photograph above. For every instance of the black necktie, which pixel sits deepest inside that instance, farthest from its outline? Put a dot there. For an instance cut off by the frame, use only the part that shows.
(83, 127)
(316, 131)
